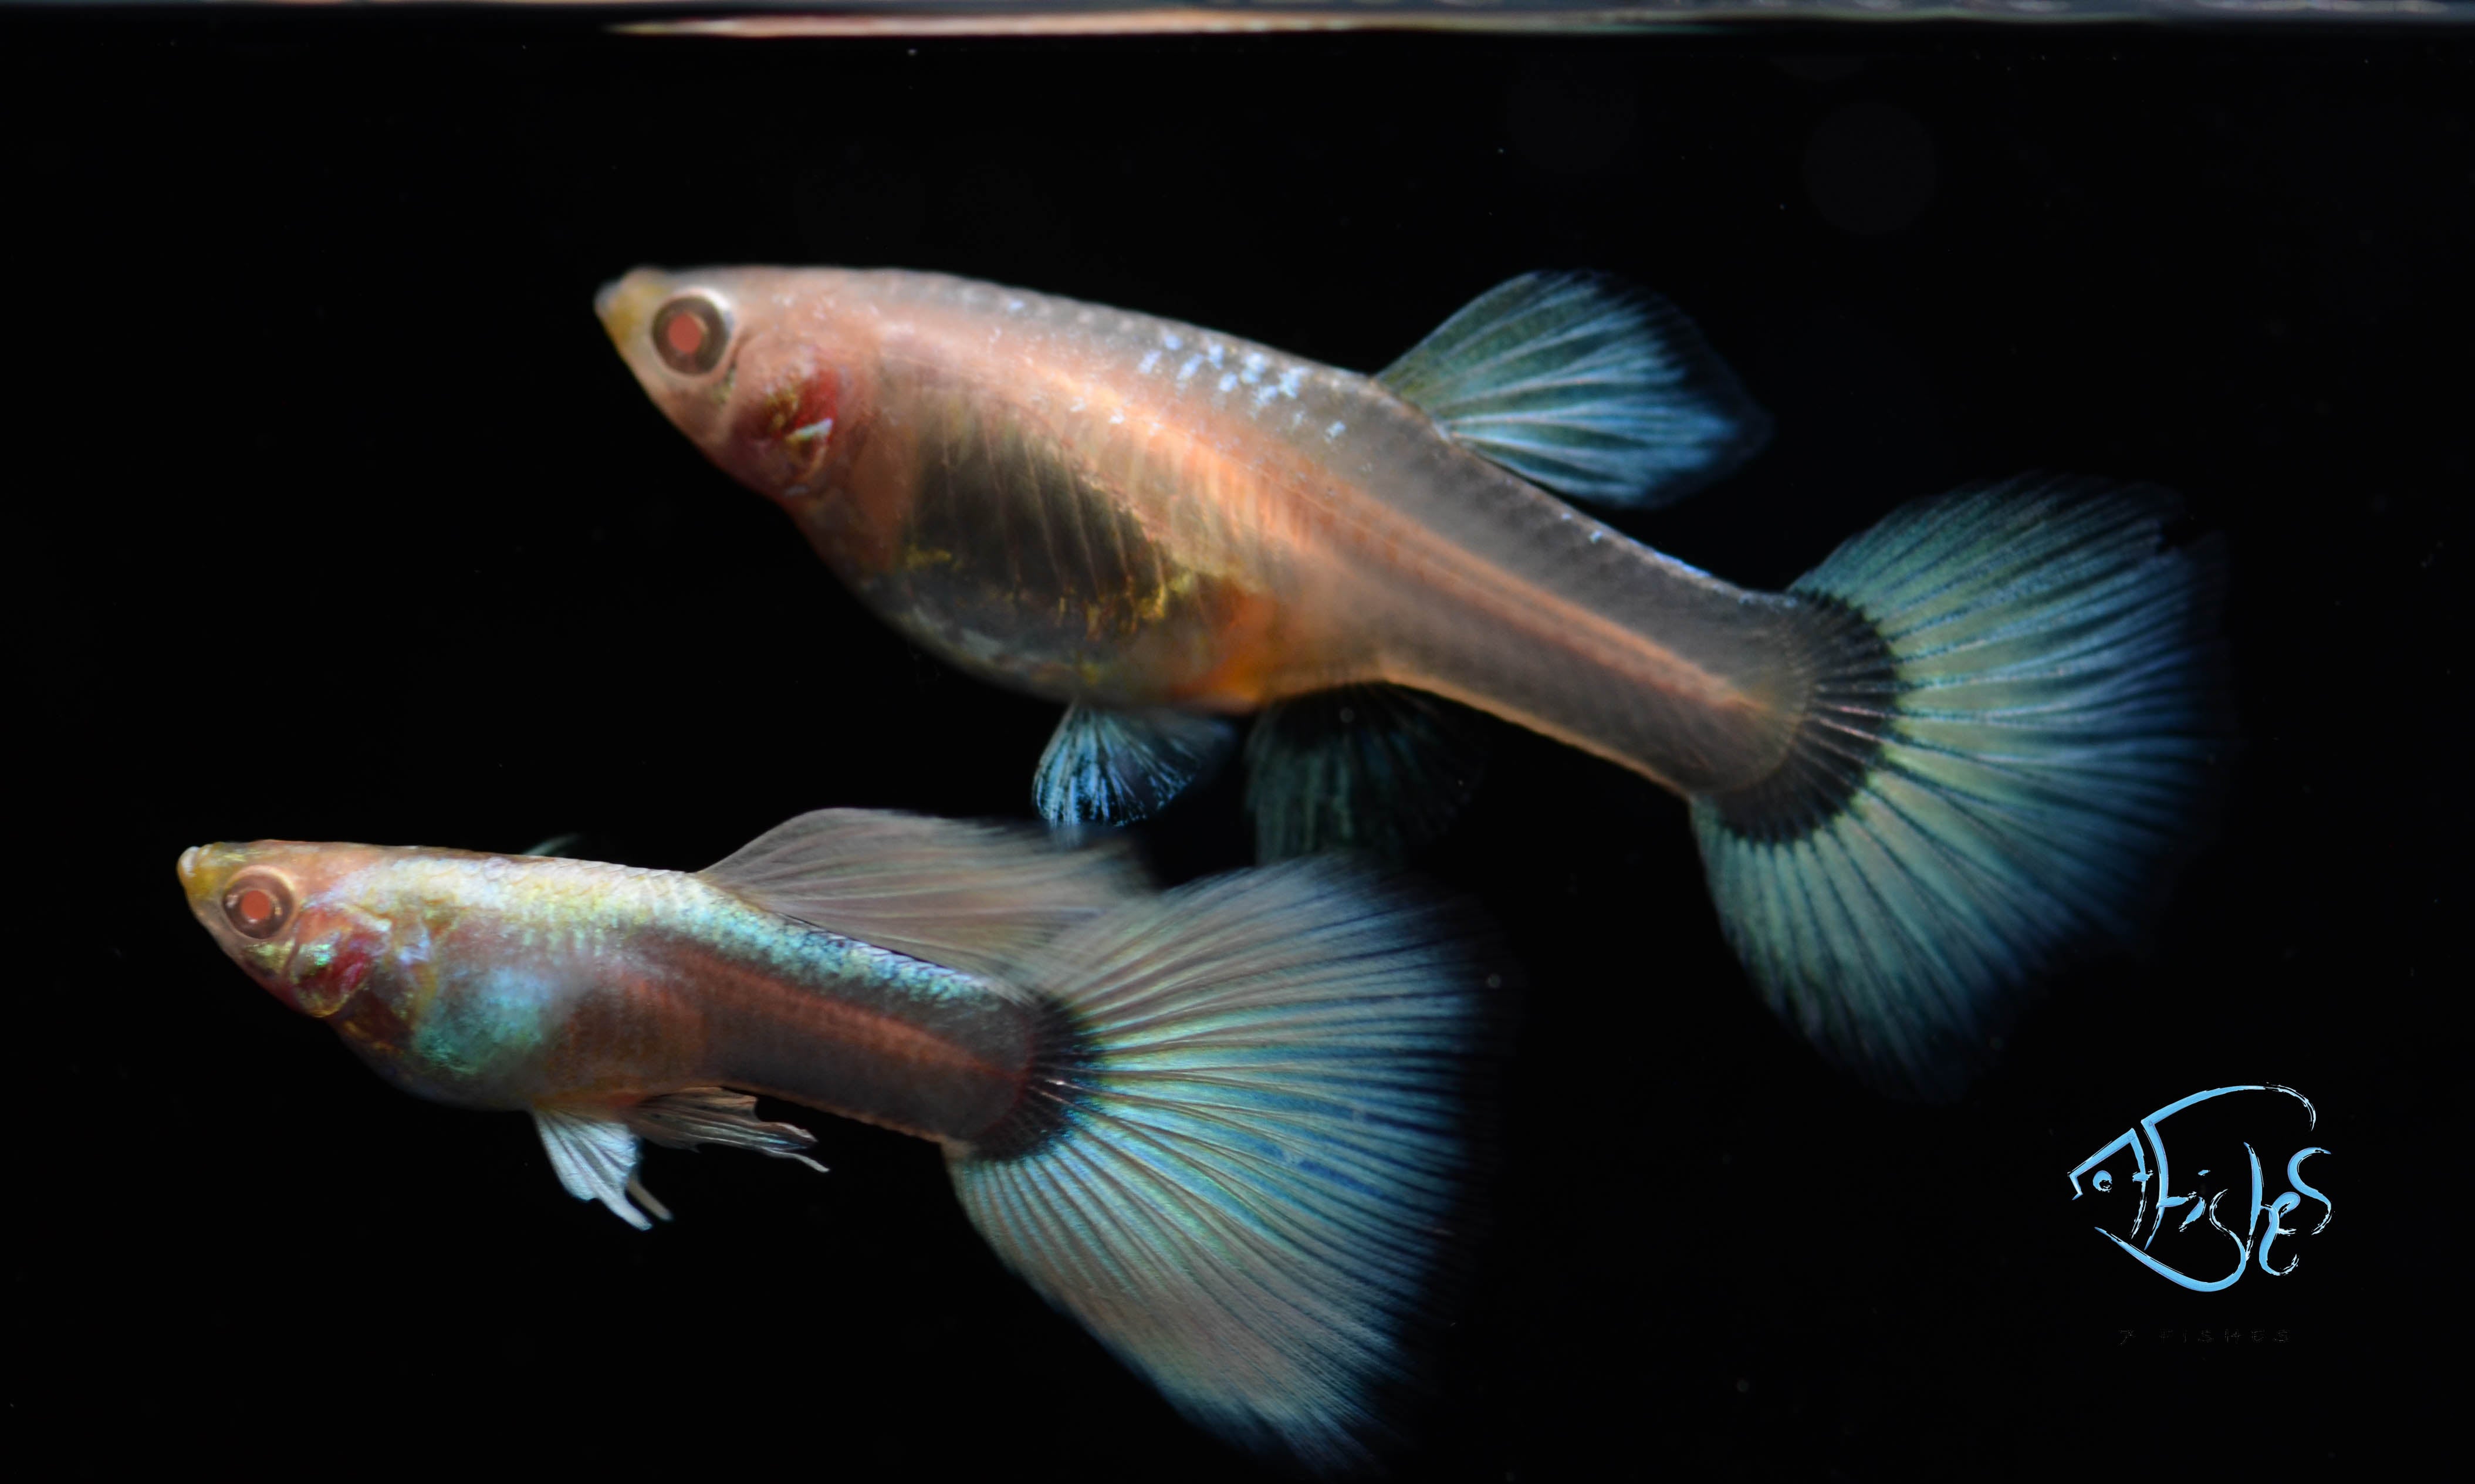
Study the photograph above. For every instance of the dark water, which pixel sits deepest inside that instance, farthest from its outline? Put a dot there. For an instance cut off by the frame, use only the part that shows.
(338, 519)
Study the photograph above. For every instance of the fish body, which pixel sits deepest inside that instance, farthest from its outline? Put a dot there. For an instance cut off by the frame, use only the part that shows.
(514, 982)
(1100, 506)
(1228, 1129)
(1971, 745)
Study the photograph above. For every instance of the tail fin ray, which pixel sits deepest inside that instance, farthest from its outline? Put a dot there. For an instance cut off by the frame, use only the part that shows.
(1261, 1140)
(2014, 739)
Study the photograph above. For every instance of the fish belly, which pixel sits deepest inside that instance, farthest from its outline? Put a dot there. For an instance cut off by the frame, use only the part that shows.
(1097, 506)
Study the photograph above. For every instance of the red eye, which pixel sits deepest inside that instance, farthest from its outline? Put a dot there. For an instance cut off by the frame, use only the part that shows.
(690, 334)
(258, 906)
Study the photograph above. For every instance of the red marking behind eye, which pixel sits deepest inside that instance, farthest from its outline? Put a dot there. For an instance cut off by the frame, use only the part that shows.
(795, 407)
(820, 399)
(351, 969)
(336, 983)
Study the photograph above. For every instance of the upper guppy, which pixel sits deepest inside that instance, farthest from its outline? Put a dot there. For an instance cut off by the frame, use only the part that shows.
(1965, 745)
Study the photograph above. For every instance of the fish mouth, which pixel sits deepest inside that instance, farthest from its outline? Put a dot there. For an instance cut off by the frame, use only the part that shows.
(197, 881)
(203, 871)
(625, 304)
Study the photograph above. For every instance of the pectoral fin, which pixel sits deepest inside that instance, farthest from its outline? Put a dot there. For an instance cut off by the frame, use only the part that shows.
(1587, 385)
(1107, 767)
(596, 1156)
(1375, 768)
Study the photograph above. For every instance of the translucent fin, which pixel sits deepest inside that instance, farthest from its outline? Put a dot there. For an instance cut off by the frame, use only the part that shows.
(595, 1155)
(2017, 737)
(557, 847)
(717, 1115)
(1587, 385)
(595, 1150)
(1255, 1146)
(1377, 768)
(1117, 767)
(970, 896)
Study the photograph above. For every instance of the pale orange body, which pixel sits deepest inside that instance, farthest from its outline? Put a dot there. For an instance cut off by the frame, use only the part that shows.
(1102, 506)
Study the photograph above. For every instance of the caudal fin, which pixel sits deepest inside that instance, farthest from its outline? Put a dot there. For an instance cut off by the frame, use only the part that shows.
(1244, 1164)
(2018, 731)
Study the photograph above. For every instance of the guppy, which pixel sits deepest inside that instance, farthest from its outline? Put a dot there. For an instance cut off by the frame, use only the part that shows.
(1223, 1126)
(1969, 743)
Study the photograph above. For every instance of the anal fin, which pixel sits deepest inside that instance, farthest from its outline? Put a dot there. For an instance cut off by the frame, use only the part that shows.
(717, 1115)
(1105, 767)
(594, 1150)
(1377, 768)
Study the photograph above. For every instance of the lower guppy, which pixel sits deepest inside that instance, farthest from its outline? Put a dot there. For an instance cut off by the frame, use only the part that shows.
(1227, 1128)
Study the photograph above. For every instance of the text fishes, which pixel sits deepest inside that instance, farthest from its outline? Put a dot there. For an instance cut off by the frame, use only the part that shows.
(1966, 744)
(2149, 1175)
(1223, 1126)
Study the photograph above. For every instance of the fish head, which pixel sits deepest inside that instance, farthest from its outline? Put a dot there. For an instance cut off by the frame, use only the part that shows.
(400, 950)
(2111, 1186)
(292, 915)
(757, 366)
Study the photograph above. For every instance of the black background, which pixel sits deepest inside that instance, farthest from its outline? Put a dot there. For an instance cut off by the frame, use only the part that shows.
(338, 519)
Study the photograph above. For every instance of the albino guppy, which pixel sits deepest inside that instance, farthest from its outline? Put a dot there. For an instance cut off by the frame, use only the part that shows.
(1965, 745)
(1222, 1127)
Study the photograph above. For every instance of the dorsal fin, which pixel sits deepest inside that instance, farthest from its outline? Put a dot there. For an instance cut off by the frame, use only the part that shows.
(1584, 384)
(971, 896)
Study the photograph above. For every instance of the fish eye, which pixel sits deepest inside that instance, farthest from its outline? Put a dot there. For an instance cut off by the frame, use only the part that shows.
(690, 334)
(2104, 1182)
(258, 905)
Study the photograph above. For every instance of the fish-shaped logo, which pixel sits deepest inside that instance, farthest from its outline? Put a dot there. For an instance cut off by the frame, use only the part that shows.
(2136, 1165)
